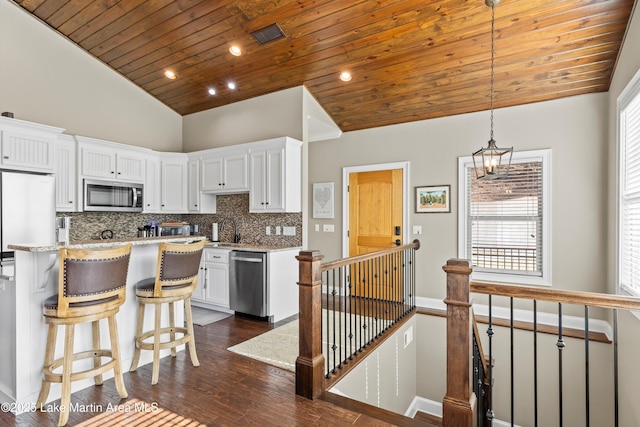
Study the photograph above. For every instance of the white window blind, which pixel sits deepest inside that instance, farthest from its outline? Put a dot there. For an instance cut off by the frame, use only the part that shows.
(504, 226)
(505, 221)
(629, 238)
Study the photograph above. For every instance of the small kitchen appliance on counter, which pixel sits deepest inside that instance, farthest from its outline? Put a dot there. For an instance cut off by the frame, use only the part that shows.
(63, 227)
(174, 229)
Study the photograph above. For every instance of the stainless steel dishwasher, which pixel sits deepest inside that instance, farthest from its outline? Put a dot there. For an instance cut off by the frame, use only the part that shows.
(248, 282)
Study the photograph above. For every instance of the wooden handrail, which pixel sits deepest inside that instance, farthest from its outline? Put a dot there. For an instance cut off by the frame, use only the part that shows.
(591, 299)
(371, 255)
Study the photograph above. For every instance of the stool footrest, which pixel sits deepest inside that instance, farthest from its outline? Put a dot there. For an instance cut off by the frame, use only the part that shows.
(53, 377)
(167, 344)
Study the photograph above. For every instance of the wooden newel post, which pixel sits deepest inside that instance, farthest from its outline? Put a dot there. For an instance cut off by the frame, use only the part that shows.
(459, 403)
(310, 361)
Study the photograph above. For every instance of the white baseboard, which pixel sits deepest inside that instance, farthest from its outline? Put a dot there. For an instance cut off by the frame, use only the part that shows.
(434, 408)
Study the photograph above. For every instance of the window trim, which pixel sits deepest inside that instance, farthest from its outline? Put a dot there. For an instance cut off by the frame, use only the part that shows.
(544, 156)
(628, 94)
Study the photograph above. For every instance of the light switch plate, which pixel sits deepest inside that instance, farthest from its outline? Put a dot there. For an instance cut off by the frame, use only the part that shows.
(289, 231)
(327, 228)
(317, 227)
(278, 230)
(417, 229)
(268, 230)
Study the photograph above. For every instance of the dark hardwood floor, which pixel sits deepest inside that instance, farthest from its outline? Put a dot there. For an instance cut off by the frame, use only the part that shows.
(226, 390)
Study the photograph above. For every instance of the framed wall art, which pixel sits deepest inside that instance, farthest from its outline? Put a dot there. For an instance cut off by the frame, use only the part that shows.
(433, 199)
(323, 200)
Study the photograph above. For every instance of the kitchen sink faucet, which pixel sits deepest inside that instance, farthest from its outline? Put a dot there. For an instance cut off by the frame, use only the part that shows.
(236, 235)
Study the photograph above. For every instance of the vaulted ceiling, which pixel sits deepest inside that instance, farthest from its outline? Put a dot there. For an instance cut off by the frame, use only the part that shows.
(409, 59)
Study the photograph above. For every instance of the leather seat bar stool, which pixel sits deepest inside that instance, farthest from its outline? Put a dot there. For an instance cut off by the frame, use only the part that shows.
(176, 279)
(91, 286)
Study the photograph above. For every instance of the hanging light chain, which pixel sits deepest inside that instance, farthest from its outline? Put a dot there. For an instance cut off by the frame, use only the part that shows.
(493, 6)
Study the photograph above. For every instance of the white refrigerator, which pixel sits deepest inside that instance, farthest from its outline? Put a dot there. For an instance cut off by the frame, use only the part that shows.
(27, 211)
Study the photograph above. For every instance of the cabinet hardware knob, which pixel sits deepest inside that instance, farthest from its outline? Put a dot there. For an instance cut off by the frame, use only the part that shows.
(111, 171)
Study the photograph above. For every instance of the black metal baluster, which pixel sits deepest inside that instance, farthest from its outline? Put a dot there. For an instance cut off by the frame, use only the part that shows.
(361, 303)
(511, 356)
(490, 414)
(334, 347)
(351, 299)
(325, 282)
(560, 344)
(535, 362)
(586, 363)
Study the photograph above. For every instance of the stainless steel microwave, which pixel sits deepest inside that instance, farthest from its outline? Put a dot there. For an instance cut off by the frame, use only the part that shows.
(112, 196)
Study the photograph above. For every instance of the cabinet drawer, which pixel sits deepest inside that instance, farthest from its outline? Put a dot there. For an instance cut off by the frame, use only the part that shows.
(216, 255)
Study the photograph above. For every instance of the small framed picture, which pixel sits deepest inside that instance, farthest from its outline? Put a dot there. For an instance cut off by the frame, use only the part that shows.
(323, 200)
(433, 199)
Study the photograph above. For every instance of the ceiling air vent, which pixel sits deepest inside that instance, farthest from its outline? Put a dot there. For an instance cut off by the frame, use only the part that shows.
(268, 33)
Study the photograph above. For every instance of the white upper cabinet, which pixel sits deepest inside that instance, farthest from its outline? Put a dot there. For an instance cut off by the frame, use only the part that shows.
(27, 146)
(173, 181)
(151, 195)
(225, 171)
(65, 173)
(112, 161)
(276, 175)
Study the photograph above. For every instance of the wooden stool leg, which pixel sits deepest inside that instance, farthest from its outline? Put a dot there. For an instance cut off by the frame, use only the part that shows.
(172, 325)
(67, 367)
(95, 330)
(139, 326)
(115, 354)
(192, 340)
(156, 345)
(52, 334)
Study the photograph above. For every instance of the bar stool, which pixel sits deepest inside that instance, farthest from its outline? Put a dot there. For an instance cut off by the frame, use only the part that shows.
(91, 287)
(176, 279)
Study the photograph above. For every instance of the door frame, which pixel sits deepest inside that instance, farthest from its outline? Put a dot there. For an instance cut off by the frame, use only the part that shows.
(345, 197)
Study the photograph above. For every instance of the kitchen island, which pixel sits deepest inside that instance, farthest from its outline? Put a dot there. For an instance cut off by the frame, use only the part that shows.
(22, 328)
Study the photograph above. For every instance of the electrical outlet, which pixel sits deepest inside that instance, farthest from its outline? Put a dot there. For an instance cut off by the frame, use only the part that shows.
(278, 228)
(268, 230)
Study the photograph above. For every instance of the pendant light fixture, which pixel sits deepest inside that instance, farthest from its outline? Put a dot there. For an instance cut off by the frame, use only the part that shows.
(492, 162)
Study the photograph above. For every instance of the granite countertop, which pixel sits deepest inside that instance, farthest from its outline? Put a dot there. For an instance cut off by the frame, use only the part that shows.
(107, 243)
(250, 247)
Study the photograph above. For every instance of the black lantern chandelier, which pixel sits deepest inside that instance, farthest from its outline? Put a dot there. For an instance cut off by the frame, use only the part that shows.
(492, 162)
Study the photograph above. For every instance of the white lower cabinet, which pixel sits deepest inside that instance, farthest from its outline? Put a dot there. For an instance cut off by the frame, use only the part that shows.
(213, 280)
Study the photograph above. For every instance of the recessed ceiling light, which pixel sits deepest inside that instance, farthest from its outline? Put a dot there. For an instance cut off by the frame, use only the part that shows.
(211, 91)
(231, 85)
(235, 50)
(345, 76)
(170, 74)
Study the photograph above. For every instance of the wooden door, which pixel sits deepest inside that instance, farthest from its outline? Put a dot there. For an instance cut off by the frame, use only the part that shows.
(375, 223)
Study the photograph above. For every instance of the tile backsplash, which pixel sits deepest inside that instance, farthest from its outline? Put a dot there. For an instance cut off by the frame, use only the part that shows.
(251, 227)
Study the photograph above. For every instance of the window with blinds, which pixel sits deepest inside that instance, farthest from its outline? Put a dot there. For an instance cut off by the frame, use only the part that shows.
(504, 225)
(629, 195)
(505, 221)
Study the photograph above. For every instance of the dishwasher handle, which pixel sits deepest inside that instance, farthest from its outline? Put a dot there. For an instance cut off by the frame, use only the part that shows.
(245, 259)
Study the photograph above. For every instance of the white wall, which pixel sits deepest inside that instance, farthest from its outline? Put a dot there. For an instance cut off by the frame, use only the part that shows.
(628, 65)
(574, 128)
(262, 117)
(44, 78)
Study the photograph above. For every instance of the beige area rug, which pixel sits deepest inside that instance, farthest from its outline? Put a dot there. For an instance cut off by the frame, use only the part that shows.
(278, 347)
(203, 316)
(136, 412)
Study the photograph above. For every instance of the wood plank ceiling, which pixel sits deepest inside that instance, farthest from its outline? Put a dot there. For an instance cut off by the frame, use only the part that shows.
(410, 59)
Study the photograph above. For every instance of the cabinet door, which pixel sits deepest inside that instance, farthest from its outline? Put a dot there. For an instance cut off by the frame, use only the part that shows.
(27, 152)
(152, 185)
(174, 185)
(97, 162)
(199, 293)
(130, 167)
(236, 175)
(257, 190)
(65, 173)
(217, 277)
(275, 180)
(211, 174)
(193, 192)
